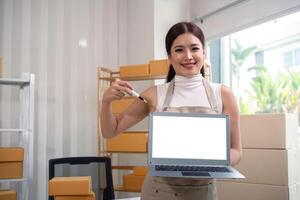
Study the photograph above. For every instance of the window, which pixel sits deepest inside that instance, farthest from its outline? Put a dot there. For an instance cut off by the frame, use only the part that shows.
(288, 59)
(297, 57)
(263, 64)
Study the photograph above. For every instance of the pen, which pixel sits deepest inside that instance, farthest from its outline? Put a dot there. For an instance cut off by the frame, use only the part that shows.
(135, 94)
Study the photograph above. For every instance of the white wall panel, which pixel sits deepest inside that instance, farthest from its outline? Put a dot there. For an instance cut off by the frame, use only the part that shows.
(41, 37)
(240, 16)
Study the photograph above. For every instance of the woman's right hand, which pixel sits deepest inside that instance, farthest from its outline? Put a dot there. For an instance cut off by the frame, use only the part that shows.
(116, 91)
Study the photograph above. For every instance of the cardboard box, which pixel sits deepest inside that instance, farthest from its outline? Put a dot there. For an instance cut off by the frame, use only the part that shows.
(78, 197)
(119, 106)
(272, 131)
(8, 195)
(131, 142)
(77, 185)
(266, 166)
(10, 154)
(133, 183)
(134, 70)
(11, 170)
(248, 191)
(159, 67)
(11, 162)
(140, 170)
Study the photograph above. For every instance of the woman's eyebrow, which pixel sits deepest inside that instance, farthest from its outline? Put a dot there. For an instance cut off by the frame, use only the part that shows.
(196, 44)
(182, 46)
(178, 46)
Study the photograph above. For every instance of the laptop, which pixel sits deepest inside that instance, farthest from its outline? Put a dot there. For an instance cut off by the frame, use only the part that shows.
(190, 145)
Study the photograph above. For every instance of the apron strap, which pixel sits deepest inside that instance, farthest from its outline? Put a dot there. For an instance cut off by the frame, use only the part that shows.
(210, 95)
(169, 94)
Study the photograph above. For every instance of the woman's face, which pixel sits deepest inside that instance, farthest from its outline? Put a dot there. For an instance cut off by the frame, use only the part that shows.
(187, 55)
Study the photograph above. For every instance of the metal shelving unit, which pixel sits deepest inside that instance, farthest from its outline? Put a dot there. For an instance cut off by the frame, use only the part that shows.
(25, 85)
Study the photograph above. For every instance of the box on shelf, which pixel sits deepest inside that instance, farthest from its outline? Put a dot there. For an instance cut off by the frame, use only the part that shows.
(8, 195)
(134, 142)
(270, 166)
(140, 170)
(77, 197)
(269, 131)
(77, 185)
(134, 70)
(133, 182)
(119, 106)
(158, 67)
(247, 191)
(11, 162)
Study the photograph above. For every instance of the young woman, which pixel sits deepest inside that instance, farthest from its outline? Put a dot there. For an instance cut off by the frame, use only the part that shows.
(186, 90)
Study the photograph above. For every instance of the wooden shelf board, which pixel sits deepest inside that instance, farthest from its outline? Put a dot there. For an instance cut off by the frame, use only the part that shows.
(123, 167)
(134, 78)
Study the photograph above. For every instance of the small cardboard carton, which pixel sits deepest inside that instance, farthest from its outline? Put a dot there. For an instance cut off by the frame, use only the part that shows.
(130, 142)
(140, 170)
(159, 67)
(77, 185)
(133, 182)
(11, 162)
(8, 195)
(134, 70)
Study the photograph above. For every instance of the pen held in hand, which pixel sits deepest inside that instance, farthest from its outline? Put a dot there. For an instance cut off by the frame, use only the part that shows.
(135, 94)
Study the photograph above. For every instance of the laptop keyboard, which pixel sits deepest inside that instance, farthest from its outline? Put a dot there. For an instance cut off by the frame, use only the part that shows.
(191, 168)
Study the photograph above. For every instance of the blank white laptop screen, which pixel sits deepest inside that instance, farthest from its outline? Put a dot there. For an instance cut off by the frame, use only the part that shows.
(189, 137)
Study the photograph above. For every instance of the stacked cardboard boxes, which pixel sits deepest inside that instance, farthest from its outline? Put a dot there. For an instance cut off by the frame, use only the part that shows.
(71, 188)
(270, 161)
(11, 162)
(134, 182)
(154, 68)
(8, 195)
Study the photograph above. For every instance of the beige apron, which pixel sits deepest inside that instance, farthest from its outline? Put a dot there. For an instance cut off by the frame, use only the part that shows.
(162, 188)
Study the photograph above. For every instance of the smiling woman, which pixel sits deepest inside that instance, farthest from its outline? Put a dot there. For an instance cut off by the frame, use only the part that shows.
(186, 90)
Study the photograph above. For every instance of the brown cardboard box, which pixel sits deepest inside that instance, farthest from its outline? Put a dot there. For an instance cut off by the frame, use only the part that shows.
(79, 185)
(128, 142)
(133, 183)
(268, 166)
(248, 191)
(134, 70)
(119, 106)
(140, 170)
(11, 170)
(11, 162)
(9, 154)
(8, 195)
(158, 67)
(271, 131)
(78, 197)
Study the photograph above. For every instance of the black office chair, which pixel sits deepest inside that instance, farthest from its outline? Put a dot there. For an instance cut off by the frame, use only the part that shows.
(99, 168)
